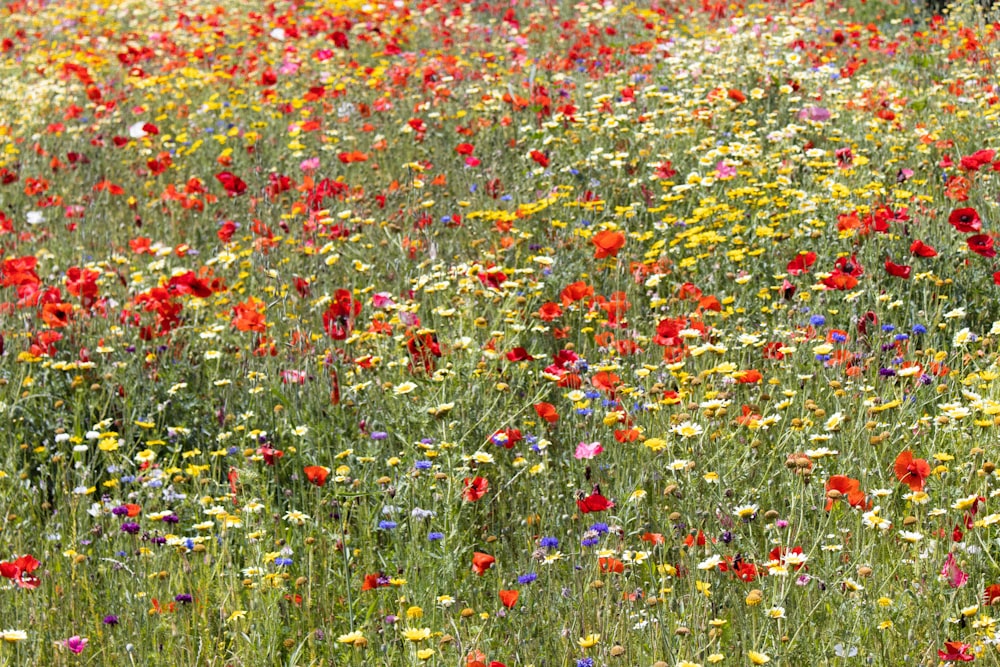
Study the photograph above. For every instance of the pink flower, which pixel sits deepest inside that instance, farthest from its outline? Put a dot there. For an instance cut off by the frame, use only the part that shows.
(952, 573)
(382, 300)
(76, 643)
(311, 164)
(588, 450)
(723, 171)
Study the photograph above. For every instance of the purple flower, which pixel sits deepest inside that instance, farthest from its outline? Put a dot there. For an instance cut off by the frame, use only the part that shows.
(110, 619)
(130, 528)
(379, 435)
(184, 598)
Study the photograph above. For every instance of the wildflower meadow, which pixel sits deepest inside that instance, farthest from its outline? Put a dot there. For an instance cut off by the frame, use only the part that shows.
(492, 333)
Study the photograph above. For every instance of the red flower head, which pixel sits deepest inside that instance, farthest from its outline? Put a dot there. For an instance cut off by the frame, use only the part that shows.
(842, 486)
(981, 244)
(921, 249)
(547, 411)
(911, 471)
(956, 652)
(317, 474)
(801, 263)
(897, 270)
(509, 598)
(482, 562)
(474, 488)
(607, 243)
(595, 502)
(965, 220)
(20, 571)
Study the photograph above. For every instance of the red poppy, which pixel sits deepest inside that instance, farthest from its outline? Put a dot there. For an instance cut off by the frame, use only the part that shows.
(549, 311)
(897, 270)
(991, 594)
(547, 411)
(519, 354)
(840, 281)
(752, 376)
(540, 158)
(20, 571)
(482, 562)
(956, 652)
(607, 243)
(977, 160)
(911, 471)
(464, 149)
(695, 539)
(249, 316)
(653, 538)
(611, 565)
(801, 263)
(233, 184)
(981, 244)
(921, 249)
(841, 486)
(509, 598)
(571, 293)
(373, 581)
(317, 474)
(965, 220)
(595, 502)
(474, 488)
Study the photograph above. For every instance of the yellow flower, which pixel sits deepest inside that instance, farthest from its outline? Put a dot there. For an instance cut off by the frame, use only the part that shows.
(355, 638)
(589, 641)
(715, 657)
(759, 658)
(417, 634)
(425, 653)
(414, 612)
(237, 615)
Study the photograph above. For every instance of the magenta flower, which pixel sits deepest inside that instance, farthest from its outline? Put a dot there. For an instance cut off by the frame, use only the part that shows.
(588, 450)
(76, 643)
(952, 573)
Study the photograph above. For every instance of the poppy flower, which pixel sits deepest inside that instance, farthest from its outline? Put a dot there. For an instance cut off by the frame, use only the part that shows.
(572, 293)
(911, 471)
(519, 354)
(373, 581)
(991, 594)
(955, 652)
(921, 249)
(233, 184)
(607, 243)
(842, 486)
(965, 220)
(547, 411)
(482, 562)
(317, 474)
(952, 573)
(249, 316)
(801, 263)
(474, 488)
(897, 270)
(612, 565)
(20, 571)
(509, 598)
(981, 244)
(595, 502)
(540, 158)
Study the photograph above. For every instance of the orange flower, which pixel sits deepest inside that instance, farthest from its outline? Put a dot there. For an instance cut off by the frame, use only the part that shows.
(482, 562)
(911, 471)
(844, 486)
(611, 565)
(547, 411)
(607, 243)
(571, 293)
(509, 598)
(317, 474)
(249, 316)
